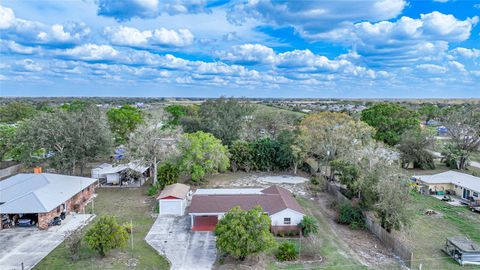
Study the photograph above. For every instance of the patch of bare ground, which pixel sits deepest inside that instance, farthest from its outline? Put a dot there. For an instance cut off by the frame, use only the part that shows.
(365, 245)
(256, 262)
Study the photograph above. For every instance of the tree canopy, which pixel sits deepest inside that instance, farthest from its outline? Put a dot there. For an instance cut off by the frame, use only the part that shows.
(106, 234)
(202, 154)
(414, 146)
(16, 111)
(123, 121)
(241, 233)
(390, 121)
(69, 138)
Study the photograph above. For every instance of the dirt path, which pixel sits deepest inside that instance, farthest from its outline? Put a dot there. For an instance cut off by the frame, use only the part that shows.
(366, 247)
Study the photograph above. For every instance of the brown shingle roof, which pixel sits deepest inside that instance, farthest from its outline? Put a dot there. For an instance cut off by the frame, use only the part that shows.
(274, 200)
(175, 190)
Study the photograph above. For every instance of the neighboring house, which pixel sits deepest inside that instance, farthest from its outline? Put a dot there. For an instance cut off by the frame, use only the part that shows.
(465, 185)
(463, 250)
(124, 173)
(44, 196)
(173, 200)
(210, 205)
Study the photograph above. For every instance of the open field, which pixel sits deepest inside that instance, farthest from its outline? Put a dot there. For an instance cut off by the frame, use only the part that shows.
(127, 204)
(427, 233)
(271, 108)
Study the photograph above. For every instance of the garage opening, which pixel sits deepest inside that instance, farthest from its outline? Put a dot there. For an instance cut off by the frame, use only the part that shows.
(204, 223)
(19, 220)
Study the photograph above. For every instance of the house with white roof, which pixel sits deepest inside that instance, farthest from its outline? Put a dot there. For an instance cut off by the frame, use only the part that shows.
(44, 196)
(465, 185)
(117, 175)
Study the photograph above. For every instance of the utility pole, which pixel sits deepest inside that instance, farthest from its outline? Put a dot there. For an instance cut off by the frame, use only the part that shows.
(155, 156)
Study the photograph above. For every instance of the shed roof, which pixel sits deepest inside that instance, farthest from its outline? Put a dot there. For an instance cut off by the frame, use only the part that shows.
(452, 177)
(273, 200)
(116, 169)
(464, 244)
(175, 190)
(39, 193)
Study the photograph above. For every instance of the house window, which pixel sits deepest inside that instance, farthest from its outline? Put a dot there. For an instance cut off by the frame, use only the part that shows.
(58, 209)
(475, 194)
(286, 221)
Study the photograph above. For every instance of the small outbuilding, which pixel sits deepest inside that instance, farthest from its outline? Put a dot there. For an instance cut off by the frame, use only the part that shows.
(463, 250)
(173, 200)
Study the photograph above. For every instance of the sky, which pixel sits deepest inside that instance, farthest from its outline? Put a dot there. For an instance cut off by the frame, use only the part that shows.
(255, 48)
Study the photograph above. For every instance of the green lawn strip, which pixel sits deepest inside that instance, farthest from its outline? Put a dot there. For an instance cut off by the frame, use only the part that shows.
(127, 205)
(428, 233)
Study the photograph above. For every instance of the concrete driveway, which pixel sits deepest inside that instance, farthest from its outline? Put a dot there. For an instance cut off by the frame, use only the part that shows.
(30, 245)
(184, 249)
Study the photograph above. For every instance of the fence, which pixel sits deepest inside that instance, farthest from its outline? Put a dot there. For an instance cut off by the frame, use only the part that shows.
(10, 170)
(373, 226)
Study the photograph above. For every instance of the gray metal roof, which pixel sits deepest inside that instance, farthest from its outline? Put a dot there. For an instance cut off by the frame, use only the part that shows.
(452, 177)
(39, 193)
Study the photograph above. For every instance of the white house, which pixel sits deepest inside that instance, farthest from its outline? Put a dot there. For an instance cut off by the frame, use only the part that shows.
(95, 172)
(173, 200)
(115, 174)
(210, 205)
(465, 185)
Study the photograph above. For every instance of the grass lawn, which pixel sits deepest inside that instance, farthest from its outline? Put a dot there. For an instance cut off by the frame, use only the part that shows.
(127, 204)
(427, 233)
(333, 251)
(285, 110)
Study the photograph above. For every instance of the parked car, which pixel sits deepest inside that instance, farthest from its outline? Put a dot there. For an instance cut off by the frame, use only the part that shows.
(26, 222)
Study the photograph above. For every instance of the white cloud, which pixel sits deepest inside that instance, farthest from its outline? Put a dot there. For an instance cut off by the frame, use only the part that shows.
(249, 54)
(466, 53)
(130, 36)
(432, 68)
(91, 52)
(7, 17)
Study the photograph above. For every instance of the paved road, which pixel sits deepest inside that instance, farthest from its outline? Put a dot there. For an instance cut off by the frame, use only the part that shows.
(30, 245)
(184, 249)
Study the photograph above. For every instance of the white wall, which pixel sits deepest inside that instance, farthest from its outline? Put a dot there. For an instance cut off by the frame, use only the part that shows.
(183, 204)
(295, 217)
(113, 178)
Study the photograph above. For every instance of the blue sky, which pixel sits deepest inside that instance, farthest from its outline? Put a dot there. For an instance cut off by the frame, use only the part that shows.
(256, 48)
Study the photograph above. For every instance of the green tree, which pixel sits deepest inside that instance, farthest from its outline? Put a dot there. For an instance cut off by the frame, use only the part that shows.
(71, 139)
(176, 112)
(167, 174)
(16, 111)
(241, 156)
(286, 252)
(429, 112)
(241, 233)
(269, 122)
(413, 147)
(106, 234)
(309, 225)
(393, 198)
(224, 118)
(265, 154)
(202, 154)
(390, 121)
(123, 121)
(8, 148)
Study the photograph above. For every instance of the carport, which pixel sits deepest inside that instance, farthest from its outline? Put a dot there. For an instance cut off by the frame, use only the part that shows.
(204, 223)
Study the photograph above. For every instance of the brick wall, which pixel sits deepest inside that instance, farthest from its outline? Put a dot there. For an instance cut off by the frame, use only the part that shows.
(75, 204)
(284, 229)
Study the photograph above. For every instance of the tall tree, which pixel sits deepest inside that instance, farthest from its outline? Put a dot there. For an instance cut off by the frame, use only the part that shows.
(390, 121)
(70, 138)
(152, 143)
(106, 234)
(16, 111)
(123, 121)
(429, 112)
(463, 127)
(328, 135)
(269, 122)
(414, 146)
(176, 112)
(241, 233)
(224, 118)
(8, 148)
(202, 154)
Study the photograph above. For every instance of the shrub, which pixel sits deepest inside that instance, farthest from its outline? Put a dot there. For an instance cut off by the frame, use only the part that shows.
(309, 225)
(151, 191)
(351, 216)
(106, 234)
(286, 252)
(128, 227)
(314, 181)
(167, 174)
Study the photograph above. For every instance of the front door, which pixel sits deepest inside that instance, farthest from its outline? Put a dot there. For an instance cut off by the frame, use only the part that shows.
(466, 193)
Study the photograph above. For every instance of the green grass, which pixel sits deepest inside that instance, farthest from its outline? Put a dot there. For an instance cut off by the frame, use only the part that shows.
(428, 233)
(126, 204)
(332, 250)
(271, 108)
